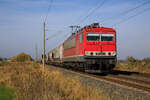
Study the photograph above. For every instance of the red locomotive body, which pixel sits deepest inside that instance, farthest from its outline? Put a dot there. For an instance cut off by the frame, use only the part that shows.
(92, 48)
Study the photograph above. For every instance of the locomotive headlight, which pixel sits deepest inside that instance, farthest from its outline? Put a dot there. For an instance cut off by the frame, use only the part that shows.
(109, 53)
(91, 53)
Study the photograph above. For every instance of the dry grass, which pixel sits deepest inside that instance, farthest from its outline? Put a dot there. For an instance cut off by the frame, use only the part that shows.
(31, 83)
(135, 67)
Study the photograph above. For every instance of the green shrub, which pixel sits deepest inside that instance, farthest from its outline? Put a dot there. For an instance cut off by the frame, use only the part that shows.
(131, 60)
(22, 57)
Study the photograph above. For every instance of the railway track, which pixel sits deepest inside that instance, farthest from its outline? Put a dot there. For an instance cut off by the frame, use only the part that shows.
(137, 81)
(126, 81)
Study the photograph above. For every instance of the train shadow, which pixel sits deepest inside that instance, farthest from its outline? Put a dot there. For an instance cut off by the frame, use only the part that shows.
(116, 72)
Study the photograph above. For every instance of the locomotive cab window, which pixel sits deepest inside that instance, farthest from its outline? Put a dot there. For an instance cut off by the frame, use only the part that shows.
(108, 37)
(93, 37)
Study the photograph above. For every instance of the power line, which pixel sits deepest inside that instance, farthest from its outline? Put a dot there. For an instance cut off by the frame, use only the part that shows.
(131, 16)
(48, 10)
(63, 35)
(54, 35)
(126, 12)
(92, 11)
(81, 16)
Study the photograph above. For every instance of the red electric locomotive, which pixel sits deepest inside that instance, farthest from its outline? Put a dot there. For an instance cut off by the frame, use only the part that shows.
(91, 49)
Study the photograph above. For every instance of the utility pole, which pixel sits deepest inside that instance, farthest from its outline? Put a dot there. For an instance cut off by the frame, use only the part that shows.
(43, 45)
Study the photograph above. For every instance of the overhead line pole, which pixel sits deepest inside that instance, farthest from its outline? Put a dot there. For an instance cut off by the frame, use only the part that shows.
(43, 45)
(49, 8)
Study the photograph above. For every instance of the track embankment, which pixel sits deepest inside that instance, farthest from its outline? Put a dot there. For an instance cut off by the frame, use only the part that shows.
(118, 85)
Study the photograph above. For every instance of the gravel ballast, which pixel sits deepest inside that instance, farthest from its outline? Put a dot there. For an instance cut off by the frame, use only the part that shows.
(114, 91)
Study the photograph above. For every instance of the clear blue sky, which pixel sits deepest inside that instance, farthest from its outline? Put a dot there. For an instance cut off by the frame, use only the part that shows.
(21, 24)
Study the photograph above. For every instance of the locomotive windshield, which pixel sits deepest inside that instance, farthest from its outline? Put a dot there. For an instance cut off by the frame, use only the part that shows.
(105, 37)
(93, 37)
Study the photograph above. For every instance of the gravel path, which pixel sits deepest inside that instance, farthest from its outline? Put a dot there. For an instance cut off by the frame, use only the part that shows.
(114, 91)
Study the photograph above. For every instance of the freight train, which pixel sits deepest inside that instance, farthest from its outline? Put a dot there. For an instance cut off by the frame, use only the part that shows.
(90, 49)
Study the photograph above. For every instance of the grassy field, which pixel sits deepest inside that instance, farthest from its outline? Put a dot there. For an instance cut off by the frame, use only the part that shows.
(6, 93)
(134, 65)
(32, 83)
(126, 67)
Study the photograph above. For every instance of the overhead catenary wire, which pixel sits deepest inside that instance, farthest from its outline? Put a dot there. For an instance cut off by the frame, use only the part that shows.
(62, 35)
(81, 16)
(92, 11)
(48, 10)
(126, 12)
(128, 18)
(54, 35)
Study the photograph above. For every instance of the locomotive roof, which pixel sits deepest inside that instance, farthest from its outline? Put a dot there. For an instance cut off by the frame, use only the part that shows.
(88, 29)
